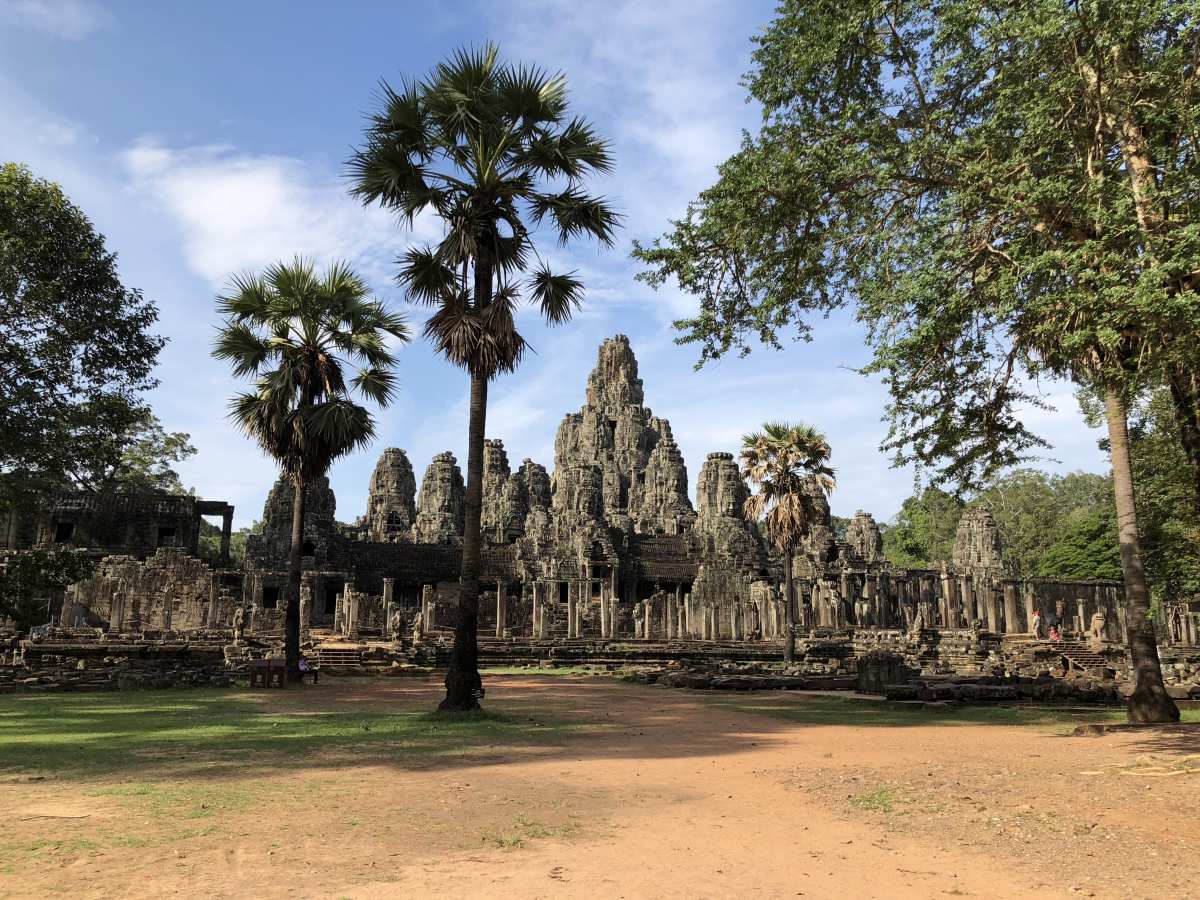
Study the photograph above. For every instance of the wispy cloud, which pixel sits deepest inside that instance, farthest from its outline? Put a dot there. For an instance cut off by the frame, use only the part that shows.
(70, 20)
(238, 211)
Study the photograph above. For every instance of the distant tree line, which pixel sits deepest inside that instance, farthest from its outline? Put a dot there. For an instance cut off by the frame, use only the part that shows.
(1064, 526)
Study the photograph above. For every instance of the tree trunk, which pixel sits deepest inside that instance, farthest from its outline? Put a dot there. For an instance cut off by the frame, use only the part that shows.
(464, 687)
(1185, 395)
(789, 616)
(1149, 702)
(291, 618)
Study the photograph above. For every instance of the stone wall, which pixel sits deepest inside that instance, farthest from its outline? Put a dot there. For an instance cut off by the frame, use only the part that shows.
(169, 591)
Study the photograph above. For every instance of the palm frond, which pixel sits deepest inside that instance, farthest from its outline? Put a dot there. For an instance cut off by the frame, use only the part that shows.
(576, 214)
(243, 347)
(557, 296)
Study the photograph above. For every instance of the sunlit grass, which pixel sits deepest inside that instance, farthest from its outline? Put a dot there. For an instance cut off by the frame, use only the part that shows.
(182, 731)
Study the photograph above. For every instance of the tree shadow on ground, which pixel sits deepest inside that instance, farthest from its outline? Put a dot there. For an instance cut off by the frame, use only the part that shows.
(204, 733)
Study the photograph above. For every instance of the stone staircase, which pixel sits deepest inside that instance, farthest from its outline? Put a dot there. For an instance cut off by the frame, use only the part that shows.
(1079, 656)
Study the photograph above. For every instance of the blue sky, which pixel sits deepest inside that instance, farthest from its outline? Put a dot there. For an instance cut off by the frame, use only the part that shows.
(208, 138)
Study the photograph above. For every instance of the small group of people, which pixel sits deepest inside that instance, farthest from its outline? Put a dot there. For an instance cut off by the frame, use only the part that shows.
(1051, 623)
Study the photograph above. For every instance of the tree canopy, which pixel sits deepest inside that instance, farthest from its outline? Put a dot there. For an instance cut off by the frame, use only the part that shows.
(1003, 190)
(76, 350)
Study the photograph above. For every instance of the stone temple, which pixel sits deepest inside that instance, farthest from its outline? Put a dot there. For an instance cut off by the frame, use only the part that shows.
(603, 556)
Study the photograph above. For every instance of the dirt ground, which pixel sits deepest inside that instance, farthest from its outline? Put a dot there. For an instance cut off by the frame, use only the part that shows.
(655, 794)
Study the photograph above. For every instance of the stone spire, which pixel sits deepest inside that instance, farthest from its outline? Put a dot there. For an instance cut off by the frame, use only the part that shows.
(614, 383)
(440, 504)
(977, 546)
(721, 492)
(864, 538)
(391, 506)
(614, 434)
(732, 553)
(663, 504)
(505, 499)
(271, 548)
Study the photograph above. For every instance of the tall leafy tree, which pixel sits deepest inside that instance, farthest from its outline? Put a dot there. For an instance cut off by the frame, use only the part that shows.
(76, 351)
(1005, 190)
(489, 148)
(922, 533)
(1033, 508)
(788, 463)
(1162, 473)
(29, 577)
(130, 451)
(297, 332)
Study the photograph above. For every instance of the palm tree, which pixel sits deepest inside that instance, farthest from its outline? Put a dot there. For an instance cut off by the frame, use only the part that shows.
(787, 463)
(487, 147)
(296, 332)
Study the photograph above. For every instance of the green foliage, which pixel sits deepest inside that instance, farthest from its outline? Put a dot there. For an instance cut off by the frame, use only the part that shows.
(1003, 190)
(1034, 509)
(1084, 546)
(28, 577)
(789, 466)
(210, 541)
(1166, 499)
(922, 534)
(882, 799)
(297, 332)
(133, 454)
(75, 347)
(490, 149)
(1053, 525)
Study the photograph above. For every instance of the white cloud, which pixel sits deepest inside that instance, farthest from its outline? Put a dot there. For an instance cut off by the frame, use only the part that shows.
(70, 20)
(238, 211)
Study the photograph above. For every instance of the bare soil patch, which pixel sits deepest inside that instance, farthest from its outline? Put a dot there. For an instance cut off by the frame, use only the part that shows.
(647, 793)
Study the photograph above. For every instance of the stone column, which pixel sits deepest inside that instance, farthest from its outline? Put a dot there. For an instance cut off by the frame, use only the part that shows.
(535, 611)
(351, 611)
(603, 610)
(869, 594)
(572, 601)
(1030, 607)
(389, 602)
(925, 598)
(948, 617)
(964, 593)
(427, 600)
(1012, 622)
(306, 601)
(210, 618)
(116, 616)
(988, 594)
(501, 608)
(339, 613)
(226, 534)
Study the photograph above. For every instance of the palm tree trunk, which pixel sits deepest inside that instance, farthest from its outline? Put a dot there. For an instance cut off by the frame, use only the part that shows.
(789, 616)
(1149, 702)
(464, 687)
(291, 617)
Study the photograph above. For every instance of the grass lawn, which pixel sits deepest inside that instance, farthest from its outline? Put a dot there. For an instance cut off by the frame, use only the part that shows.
(181, 732)
(827, 710)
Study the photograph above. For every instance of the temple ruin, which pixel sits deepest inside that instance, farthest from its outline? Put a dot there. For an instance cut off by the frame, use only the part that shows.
(605, 554)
